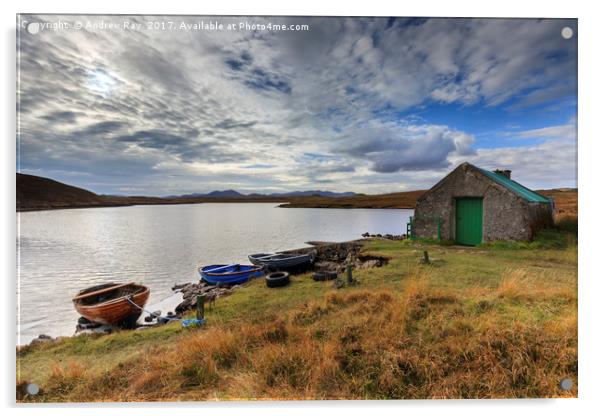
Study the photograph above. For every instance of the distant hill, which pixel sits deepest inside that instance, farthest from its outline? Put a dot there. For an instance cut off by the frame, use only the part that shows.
(393, 200)
(230, 193)
(565, 199)
(326, 194)
(36, 192)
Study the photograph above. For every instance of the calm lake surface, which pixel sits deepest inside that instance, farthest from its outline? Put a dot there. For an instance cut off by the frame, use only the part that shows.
(63, 251)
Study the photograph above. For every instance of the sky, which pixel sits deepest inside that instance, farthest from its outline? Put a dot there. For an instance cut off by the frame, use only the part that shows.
(369, 105)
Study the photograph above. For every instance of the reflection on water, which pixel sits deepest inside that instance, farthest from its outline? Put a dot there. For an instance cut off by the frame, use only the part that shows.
(63, 251)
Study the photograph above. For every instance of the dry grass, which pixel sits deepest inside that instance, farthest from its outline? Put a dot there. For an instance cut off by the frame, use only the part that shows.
(523, 285)
(422, 342)
(566, 200)
(482, 323)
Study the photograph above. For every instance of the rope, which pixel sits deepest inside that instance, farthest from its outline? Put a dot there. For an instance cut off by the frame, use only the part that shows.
(150, 313)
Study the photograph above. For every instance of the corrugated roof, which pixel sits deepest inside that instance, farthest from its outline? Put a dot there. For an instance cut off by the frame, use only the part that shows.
(516, 187)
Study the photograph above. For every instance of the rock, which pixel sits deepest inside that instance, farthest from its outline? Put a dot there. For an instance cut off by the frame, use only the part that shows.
(149, 318)
(89, 325)
(83, 321)
(42, 338)
(369, 264)
(143, 327)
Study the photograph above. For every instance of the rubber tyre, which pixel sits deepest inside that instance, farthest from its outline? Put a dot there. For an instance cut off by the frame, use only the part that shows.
(277, 279)
(321, 276)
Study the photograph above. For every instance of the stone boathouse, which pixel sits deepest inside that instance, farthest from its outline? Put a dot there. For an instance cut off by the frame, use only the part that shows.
(472, 205)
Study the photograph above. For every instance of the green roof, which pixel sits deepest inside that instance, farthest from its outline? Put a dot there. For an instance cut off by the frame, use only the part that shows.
(516, 187)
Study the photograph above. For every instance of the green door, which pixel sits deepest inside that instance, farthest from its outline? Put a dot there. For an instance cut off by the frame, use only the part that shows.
(469, 221)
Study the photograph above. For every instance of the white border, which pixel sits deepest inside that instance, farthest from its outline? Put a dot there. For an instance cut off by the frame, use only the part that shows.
(590, 138)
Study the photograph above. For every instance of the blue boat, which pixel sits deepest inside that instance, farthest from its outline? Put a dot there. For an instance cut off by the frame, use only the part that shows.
(229, 274)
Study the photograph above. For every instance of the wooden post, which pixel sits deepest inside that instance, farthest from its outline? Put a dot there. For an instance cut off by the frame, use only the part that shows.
(349, 274)
(426, 259)
(200, 307)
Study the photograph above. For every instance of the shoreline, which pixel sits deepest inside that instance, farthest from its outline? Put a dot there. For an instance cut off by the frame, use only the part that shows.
(282, 205)
(329, 255)
(117, 205)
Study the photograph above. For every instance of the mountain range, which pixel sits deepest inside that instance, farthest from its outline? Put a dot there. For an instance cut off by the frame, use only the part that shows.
(231, 193)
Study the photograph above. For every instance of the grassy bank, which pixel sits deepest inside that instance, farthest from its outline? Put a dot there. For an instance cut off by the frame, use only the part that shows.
(479, 322)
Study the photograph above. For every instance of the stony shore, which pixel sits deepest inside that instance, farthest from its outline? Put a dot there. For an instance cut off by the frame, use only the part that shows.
(328, 257)
(331, 257)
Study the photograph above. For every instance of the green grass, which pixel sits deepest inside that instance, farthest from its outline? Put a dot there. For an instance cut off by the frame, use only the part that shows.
(464, 326)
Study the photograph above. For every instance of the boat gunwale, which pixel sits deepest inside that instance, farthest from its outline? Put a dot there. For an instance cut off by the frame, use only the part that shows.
(109, 302)
(253, 269)
(295, 259)
(269, 257)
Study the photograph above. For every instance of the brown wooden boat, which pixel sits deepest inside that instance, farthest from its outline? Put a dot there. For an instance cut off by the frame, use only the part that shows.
(108, 303)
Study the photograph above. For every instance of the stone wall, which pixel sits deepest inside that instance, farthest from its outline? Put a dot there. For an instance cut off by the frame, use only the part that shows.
(506, 216)
(540, 216)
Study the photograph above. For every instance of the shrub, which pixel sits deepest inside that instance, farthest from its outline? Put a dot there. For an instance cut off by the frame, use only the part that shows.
(567, 223)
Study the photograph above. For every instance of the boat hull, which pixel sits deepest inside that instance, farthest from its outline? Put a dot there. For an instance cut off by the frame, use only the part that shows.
(280, 261)
(114, 311)
(230, 275)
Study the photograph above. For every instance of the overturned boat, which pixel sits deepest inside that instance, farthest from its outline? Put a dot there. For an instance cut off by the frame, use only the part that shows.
(229, 274)
(112, 303)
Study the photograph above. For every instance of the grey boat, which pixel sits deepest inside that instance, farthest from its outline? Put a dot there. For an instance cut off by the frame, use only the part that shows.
(280, 261)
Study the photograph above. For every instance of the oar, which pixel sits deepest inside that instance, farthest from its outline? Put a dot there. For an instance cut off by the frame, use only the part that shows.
(219, 268)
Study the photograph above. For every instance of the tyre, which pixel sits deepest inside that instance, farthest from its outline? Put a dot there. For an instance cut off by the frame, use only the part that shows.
(277, 279)
(321, 276)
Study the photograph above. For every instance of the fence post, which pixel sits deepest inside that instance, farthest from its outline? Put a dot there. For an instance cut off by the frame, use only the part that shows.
(200, 307)
(349, 274)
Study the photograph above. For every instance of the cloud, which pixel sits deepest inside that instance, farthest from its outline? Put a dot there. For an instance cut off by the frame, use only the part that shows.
(562, 131)
(101, 128)
(228, 124)
(549, 164)
(237, 64)
(391, 148)
(340, 104)
(62, 117)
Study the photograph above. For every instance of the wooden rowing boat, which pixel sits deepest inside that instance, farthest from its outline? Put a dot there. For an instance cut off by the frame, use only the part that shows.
(111, 303)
